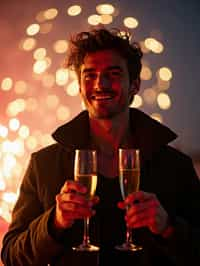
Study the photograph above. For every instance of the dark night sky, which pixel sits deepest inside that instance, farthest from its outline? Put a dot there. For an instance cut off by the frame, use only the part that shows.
(175, 23)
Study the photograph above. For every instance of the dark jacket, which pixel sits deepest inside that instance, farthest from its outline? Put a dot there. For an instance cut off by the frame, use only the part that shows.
(165, 171)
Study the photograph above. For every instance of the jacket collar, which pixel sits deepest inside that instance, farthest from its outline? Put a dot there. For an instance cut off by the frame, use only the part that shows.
(148, 134)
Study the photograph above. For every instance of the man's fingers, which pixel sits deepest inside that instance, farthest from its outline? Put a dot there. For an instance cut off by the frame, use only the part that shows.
(71, 185)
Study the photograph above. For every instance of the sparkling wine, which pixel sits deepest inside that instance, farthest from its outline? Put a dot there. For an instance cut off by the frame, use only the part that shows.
(129, 181)
(90, 181)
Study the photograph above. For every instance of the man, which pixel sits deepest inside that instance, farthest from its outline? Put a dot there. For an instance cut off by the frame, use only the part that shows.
(47, 218)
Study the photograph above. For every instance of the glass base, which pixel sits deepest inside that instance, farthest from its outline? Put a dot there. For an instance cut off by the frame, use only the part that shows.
(86, 247)
(129, 247)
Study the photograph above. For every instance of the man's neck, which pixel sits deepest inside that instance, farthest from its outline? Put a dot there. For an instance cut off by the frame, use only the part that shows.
(108, 134)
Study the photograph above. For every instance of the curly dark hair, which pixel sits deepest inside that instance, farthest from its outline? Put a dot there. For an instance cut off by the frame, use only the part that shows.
(102, 39)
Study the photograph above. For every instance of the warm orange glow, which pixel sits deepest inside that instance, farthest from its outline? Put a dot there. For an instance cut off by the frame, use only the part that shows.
(40, 16)
(24, 132)
(106, 19)
(146, 73)
(137, 102)
(60, 46)
(14, 124)
(157, 117)
(149, 96)
(63, 113)
(39, 53)
(52, 101)
(50, 13)
(153, 45)
(3, 131)
(94, 20)
(165, 73)
(20, 87)
(105, 9)
(33, 29)
(46, 27)
(48, 80)
(73, 88)
(28, 44)
(74, 10)
(62, 76)
(6, 84)
(164, 101)
(131, 22)
(40, 66)
(31, 104)
(31, 143)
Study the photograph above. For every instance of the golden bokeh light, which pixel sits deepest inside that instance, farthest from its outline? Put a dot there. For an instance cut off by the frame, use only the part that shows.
(165, 73)
(24, 131)
(6, 84)
(31, 143)
(52, 101)
(33, 29)
(164, 101)
(163, 84)
(73, 88)
(46, 140)
(149, 96)
(15, 107)
(143, 47)
(9, 197)
(105, 9)
(46, 27)
(106, 19)
(158, 117)
(31, 104)
(60, 46)
(20, 87)
(14, 124)
(153, 45)
(94, 20)
(62, 76)
(39, 53)
(48, 80)
(137, 102)
(50, 13)
(3, 131)
(74, 10)
(28, 44)
(63, 113)
(40, 16)
(146, 73)
(131, 22)
(40, 66)
(34, 105)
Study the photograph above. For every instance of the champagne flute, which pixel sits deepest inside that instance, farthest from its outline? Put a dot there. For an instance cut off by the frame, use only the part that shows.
(85, 172)
(129, 179)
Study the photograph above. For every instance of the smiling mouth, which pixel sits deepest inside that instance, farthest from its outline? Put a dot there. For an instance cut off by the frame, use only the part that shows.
(102, 97)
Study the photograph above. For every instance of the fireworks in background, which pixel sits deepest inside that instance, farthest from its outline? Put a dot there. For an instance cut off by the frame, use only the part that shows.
(40, 94)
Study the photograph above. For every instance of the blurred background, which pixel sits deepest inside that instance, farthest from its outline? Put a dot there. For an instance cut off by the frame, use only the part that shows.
(37, 94)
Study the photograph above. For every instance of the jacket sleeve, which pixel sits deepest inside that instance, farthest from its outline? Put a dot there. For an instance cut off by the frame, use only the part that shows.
(182, 247)
(27, 241)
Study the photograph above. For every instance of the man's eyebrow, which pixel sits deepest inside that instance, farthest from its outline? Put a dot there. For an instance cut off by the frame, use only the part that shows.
(91, 69)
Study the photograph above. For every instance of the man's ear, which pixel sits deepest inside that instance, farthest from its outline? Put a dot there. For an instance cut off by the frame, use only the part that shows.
(135, 86)
(134, 89)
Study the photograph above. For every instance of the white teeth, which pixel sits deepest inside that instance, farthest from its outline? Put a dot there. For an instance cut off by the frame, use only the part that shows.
(101, 97)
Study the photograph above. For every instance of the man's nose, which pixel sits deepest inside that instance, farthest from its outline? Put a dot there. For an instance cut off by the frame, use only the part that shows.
(102, 81)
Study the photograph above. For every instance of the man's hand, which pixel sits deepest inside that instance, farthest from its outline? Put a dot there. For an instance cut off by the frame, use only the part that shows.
(71, 204)
(145, 210)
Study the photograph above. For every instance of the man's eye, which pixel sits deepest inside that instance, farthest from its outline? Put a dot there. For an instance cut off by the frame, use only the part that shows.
(115, 73)
(89, 76)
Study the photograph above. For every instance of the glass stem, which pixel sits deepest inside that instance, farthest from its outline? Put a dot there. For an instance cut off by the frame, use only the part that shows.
(128, 235)
(86, 238)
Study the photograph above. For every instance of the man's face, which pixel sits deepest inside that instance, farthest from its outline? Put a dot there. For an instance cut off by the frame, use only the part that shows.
(104, 84)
